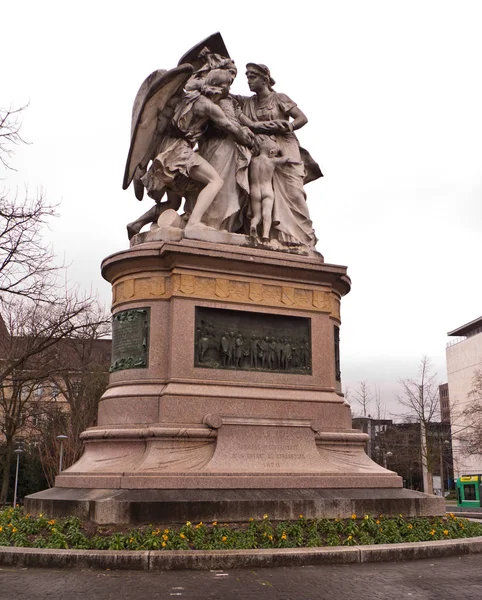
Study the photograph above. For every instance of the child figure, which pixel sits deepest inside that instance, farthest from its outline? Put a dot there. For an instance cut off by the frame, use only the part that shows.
(261, 171)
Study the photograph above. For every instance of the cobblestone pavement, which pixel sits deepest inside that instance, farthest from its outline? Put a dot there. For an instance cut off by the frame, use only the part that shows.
(440, 579)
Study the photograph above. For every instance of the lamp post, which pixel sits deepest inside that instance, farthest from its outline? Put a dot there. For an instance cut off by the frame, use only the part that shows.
(443, 445)
(61, 438)
(383, 454)
(18, 452)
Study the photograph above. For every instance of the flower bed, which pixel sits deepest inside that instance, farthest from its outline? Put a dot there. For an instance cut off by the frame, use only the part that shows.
(23, 530)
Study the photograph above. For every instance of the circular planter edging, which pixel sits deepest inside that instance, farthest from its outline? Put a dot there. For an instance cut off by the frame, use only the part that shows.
(169, 560)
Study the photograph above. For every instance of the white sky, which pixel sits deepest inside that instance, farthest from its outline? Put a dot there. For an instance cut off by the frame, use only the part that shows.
(393, 94)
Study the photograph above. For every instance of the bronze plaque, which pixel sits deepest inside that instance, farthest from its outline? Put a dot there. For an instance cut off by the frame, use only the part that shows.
(130, 339)
(248, 341)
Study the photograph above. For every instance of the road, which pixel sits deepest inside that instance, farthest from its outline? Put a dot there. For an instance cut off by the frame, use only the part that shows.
(439, 579)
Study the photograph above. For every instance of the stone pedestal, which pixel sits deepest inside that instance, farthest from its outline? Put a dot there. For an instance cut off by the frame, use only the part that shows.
(187, 432)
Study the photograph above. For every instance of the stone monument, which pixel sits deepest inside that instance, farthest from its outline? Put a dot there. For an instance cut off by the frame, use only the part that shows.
(225, 398)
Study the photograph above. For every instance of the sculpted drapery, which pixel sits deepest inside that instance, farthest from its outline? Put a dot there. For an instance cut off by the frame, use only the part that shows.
(291, 219)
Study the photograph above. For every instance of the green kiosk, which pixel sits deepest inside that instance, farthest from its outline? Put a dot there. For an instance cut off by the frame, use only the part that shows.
(468, 490)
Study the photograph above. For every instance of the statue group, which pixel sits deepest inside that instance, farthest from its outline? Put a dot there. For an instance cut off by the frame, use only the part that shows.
(235, 160)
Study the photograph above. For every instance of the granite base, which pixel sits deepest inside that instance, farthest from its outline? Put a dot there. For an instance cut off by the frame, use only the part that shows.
(125, 506)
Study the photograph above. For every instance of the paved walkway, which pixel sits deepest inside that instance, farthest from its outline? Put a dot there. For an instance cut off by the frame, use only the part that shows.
(441, 579)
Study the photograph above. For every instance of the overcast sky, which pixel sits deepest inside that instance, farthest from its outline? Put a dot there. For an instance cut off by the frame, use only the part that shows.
(393, 94)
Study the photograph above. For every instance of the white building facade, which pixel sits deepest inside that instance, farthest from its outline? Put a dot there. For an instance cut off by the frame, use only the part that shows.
(464, 359)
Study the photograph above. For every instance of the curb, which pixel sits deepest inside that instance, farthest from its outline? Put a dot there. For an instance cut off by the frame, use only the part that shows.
(176, 560)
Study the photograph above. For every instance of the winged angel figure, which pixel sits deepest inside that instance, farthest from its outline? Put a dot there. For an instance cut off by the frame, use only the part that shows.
(171, 112)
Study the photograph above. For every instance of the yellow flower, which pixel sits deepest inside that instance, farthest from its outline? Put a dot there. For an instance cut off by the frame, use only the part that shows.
(353, 516)
(199, 525)
(14, 530)
(270, 537)
(337, 520)
(165, 537)
(377, 522)
(400, 515)
(182, 536)
(41, 515)
(265, 517)
(215, 523)
(432, 532)
(283, 536)
(251, 519)
(52, 522)
(188, 523)
(155, 533)
(10, 524)
(446, 531)
(301, 516)
(166, 530)
(350, 537)
(366, 517)
(224, 538)
(163, 544)
(132, 540)
(1, 528)
(410, 526)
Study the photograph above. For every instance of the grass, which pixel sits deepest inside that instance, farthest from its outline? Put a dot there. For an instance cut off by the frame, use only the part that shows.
(24, 530)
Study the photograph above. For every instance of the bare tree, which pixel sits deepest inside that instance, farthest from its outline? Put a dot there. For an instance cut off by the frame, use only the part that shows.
(79, 385)
(38, 313)
(401, 439)
(10, 125)
(380, 408)
(420, 397)
(27, 265)
(34, 356)
(362, 396)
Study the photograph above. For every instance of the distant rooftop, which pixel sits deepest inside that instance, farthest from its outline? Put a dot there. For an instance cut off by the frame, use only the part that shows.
(468, 329)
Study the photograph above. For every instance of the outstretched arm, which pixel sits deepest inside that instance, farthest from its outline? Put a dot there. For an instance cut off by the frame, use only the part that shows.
(207, 108)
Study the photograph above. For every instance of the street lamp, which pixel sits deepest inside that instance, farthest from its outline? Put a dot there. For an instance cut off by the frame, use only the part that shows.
(18, 452)
(61, 438)
(443, 445)
(383, 454)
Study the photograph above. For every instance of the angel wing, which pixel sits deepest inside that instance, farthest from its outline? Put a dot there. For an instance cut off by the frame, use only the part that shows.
(151, 100)
(214, 43)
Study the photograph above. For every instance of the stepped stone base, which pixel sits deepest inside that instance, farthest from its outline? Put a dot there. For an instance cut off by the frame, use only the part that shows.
(204, 418)
(178, 506)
